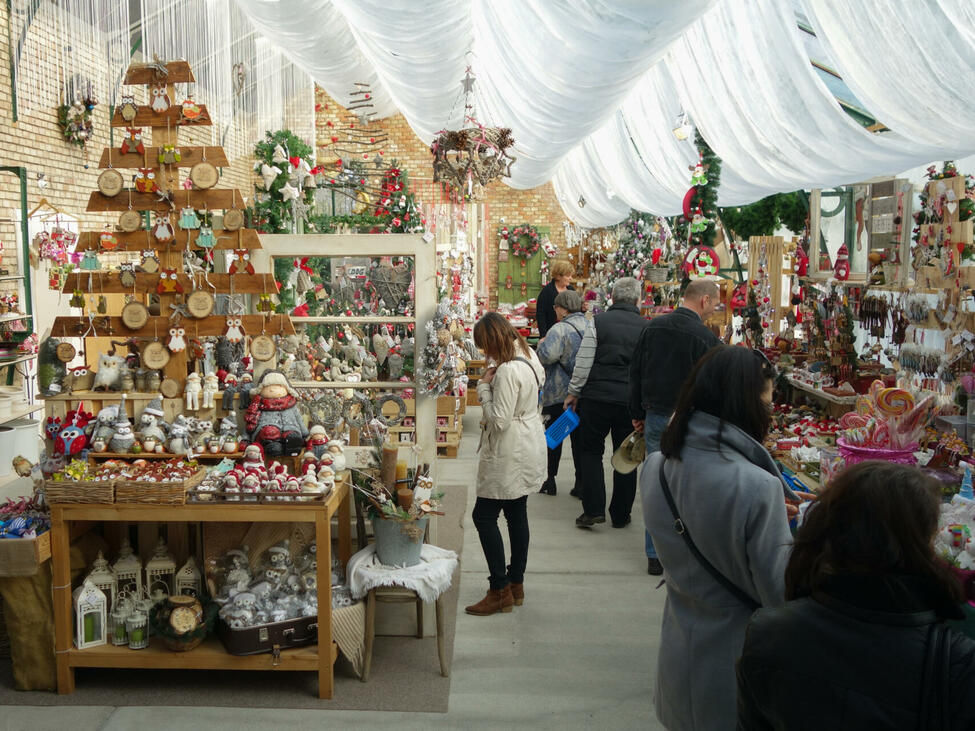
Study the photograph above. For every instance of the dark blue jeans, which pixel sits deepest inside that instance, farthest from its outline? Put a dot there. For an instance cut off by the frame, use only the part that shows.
(653, 429)
(485, 517)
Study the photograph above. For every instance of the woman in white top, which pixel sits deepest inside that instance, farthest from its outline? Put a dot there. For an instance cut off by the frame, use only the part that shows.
(512, 457)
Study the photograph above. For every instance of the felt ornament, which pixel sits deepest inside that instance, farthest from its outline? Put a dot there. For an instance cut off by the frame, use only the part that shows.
(132, 142)
(77, 299)
(279, 156)
(177, 339)
(169, 155)
(240, 262)
(235, 330)
(107, 241)
(89, 261)
(191, 111)
(205, 239)
(128, 109)
(289, 192)
(150, 262)
(126, 275)
(145, 181)
(303, 171)
(269, 173)
(160, 99)
(508, 282)
(841, 269)
(169, 282)
(162, 230)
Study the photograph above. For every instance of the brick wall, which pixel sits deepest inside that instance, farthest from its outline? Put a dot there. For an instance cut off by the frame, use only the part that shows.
(538, 206)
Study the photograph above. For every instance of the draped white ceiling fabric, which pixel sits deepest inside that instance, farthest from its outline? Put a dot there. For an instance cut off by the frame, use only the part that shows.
(591, 88)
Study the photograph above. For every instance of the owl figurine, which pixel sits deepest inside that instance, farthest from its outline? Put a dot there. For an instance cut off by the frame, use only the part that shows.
(188, 220)
(235, 330)
(160, 99)
(145, 181)
(127, 274)
(128, 109)
(89, 260)
(132, 142)
(162, 229)
(107, 241)
(177, 339)
(240, 262)
(150, 262)
(191, 111)
(169, 155)
(169, 282)
(71, 440)
(205, 239)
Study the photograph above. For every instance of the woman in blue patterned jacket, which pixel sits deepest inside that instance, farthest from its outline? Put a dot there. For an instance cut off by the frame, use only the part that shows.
(557, 352)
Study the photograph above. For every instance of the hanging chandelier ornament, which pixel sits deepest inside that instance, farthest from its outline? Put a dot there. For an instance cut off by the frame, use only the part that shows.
(475, 154)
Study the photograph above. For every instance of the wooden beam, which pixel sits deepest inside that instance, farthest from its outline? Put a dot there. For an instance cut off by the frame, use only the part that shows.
(67, 327)
(106, 282)
(245, 238)
(213, 199)
(179, 73)
(190, 157)
(172, 117)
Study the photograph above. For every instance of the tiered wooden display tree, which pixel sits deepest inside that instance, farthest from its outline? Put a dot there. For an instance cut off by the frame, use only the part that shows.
(167, 201)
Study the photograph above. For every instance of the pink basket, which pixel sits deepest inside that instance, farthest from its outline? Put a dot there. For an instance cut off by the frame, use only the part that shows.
(854, 454)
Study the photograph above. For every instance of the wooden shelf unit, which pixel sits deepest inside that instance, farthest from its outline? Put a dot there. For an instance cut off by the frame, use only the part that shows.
(210, 655)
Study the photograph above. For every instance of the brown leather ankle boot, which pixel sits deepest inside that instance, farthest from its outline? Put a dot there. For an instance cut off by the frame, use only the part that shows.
(496, 600)
(518, 593)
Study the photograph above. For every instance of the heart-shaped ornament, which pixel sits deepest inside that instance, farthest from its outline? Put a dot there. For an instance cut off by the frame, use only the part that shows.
(381, 347)
(952, 206)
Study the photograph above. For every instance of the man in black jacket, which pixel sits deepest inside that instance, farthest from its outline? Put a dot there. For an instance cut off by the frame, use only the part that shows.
(664, 357)
(599, 387)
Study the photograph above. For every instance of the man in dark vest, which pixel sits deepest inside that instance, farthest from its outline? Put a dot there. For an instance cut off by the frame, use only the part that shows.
(600, 390)
(663, 359)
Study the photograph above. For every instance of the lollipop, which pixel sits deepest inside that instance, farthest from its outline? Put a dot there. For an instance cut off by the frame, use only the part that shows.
(864, 406)
(851, 420)
(876, 387)
(894, 401)
(881, 435)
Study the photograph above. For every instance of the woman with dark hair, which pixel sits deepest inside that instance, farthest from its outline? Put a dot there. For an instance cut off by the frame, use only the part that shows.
(863, 628)
(512, 457)
(714, 502)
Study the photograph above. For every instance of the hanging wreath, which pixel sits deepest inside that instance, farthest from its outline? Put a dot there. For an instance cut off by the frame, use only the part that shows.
(523, 240)
(75, 123)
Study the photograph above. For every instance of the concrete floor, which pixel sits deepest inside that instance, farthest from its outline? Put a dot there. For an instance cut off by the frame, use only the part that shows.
(581, 653)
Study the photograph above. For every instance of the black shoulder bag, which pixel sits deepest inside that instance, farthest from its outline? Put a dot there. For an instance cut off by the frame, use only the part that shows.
(682, 530)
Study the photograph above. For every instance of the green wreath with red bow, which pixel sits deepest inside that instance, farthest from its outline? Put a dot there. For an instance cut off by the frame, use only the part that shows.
(523, 240)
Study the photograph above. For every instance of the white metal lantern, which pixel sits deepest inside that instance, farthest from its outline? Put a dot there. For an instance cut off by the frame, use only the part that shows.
(117, 617)
(128, 570)
(188, 579)
(103, 577)
(90, 615)
(160, 573)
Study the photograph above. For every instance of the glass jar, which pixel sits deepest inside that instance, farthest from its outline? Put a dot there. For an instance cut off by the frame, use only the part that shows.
(119, 633)
(137, 627)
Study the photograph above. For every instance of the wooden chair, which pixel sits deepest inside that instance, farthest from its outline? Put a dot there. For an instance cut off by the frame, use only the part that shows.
(395, 595)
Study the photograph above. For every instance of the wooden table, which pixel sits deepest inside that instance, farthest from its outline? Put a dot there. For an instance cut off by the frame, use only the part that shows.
(211, 654)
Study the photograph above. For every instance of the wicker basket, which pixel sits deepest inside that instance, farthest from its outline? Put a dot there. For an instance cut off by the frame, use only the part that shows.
(71, 491)
(657, 275)
(156, 493)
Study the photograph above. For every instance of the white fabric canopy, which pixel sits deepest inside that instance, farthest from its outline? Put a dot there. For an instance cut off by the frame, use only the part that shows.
(591, 88)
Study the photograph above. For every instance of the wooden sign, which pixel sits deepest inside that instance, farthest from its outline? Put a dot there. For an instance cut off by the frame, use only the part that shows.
(65, 352)
(169, 387)
(263, 348)
(199, 304)
(130, 221)
(233, 219)
(110, 183)
(204, 175)
(135, 315)
(155, 355)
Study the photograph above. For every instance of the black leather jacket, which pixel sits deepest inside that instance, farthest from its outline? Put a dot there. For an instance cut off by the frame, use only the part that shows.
(850, 657)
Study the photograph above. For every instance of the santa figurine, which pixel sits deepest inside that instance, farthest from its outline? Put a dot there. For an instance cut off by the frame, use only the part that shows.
(842, 267)
(317, 441)
(273, 419)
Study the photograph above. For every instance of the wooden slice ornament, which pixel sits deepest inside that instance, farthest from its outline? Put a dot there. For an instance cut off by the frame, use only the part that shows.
(204, 175)
(130, 221)
(263, 348)
(169, 387)
(156, 356)
(233, 219)
(199, 303)
(110, 183)
(135, 315)
(65, 352)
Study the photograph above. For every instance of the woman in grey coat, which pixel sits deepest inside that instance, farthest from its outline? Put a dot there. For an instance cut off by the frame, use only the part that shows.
(731, 500)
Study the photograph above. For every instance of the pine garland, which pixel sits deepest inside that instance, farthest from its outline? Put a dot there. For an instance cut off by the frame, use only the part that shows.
(270, 212)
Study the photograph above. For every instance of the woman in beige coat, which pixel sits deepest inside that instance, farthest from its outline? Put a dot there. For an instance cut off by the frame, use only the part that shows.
(512, 457)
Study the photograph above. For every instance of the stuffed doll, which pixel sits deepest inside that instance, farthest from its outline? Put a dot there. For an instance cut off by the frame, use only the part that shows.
(273, 419)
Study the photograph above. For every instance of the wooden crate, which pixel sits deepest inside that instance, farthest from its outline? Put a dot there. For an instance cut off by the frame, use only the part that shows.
(23, 556)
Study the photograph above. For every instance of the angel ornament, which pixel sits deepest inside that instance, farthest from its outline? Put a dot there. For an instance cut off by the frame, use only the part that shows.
(235, 330)
(177, 339)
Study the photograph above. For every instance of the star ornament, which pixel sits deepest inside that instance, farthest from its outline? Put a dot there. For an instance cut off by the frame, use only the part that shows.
(468, 82)
(289, 192)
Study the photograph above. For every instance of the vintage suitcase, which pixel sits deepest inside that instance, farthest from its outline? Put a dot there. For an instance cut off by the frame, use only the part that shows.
(264, 637)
